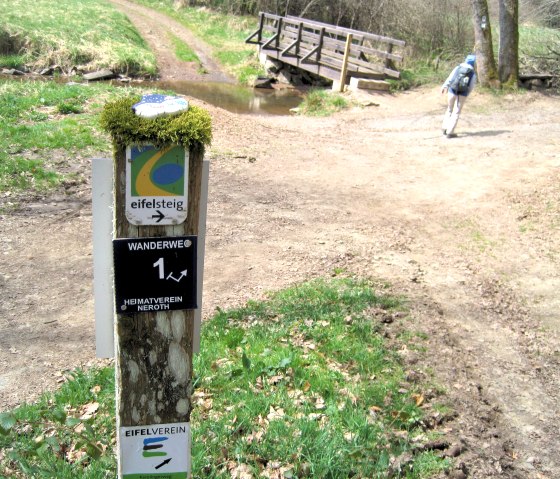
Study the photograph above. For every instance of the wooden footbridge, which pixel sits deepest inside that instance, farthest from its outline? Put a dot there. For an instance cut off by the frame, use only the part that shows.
(337, 53)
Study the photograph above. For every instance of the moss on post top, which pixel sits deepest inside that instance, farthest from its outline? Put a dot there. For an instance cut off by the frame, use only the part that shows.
(191, 129)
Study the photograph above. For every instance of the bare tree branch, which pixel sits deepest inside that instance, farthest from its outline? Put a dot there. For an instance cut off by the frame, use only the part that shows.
(307, 7)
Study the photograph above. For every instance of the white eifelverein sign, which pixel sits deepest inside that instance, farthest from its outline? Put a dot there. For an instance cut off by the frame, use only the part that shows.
(159, 451)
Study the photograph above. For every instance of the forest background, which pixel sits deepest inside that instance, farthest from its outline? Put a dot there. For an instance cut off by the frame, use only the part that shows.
(434, 29)
(523, 36)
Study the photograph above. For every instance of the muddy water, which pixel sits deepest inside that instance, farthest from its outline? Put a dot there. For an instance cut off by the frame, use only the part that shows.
(234, 98)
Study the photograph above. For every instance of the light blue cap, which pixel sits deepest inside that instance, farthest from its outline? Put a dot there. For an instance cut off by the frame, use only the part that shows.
(470, 59)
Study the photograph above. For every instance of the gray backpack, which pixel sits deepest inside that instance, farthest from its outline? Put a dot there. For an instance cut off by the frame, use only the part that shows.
(462, 78)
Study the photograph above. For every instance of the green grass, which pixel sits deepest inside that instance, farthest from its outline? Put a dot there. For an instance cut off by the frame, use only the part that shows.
(224, 33)
(185, 53)
(68, 33)
(301, 384)
(12, 61)
(417, 73)
(41, 120)
(535, 45)
(182, 51)
(320, 102)
(535, 40)
(66, 435)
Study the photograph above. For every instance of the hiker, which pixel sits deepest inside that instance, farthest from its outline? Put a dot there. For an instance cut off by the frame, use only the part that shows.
(459, 85)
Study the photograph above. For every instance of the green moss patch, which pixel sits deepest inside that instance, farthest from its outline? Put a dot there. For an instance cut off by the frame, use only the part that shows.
(190, 129)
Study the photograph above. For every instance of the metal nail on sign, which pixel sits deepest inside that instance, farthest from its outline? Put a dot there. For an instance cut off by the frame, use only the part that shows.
(156, 184)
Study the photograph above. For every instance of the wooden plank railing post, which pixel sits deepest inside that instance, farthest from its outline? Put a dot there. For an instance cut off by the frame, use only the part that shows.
(388, 61)
(344, 68)
(261, 26)
(258, 33)
(299, 36)
(320, 46)
(278, 33)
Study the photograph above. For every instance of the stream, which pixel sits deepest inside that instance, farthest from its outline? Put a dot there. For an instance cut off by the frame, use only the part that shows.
(234, 98)
(229, 96)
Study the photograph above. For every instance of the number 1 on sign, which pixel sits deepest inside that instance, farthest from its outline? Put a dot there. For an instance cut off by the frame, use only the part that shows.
(159, 264)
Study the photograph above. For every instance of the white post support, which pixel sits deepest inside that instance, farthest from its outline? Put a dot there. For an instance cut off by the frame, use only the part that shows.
(102, 203)
(200, 254)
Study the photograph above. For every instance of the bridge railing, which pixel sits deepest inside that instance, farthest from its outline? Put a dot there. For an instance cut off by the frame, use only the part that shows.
(326, 49)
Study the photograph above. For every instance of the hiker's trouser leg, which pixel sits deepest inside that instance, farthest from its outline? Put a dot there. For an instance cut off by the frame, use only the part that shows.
(448, 112)
(454, 106)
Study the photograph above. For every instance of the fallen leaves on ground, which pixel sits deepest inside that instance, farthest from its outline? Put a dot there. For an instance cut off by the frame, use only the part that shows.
(87, 411)
(275, 414)
(239, 471)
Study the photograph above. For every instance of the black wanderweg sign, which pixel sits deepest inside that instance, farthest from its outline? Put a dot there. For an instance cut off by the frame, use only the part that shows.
(155, 274)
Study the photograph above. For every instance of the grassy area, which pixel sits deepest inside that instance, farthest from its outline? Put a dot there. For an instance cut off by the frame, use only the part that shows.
(299, 386)
(418, 73)
(224, 33)
(536, 47)
(322, 103)
(185, 53)
(67, 33)
(44, 124)
(65, 435)
(536, 40)
(182, 51)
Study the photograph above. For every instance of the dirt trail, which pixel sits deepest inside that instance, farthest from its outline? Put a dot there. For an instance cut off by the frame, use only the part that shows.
(158, 30)
(466, 228)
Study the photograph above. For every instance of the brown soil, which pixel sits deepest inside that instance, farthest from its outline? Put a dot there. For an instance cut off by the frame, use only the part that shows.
(158, 30)
(466, 228)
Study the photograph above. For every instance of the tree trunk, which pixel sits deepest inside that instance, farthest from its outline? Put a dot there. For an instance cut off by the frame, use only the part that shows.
(486, 63)
(508, 59)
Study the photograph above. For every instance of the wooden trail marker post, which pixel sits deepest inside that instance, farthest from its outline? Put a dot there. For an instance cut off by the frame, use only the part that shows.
(157, 198)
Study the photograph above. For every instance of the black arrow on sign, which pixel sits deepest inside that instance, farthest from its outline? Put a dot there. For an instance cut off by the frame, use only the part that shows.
(167, 461)
(160, 216)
